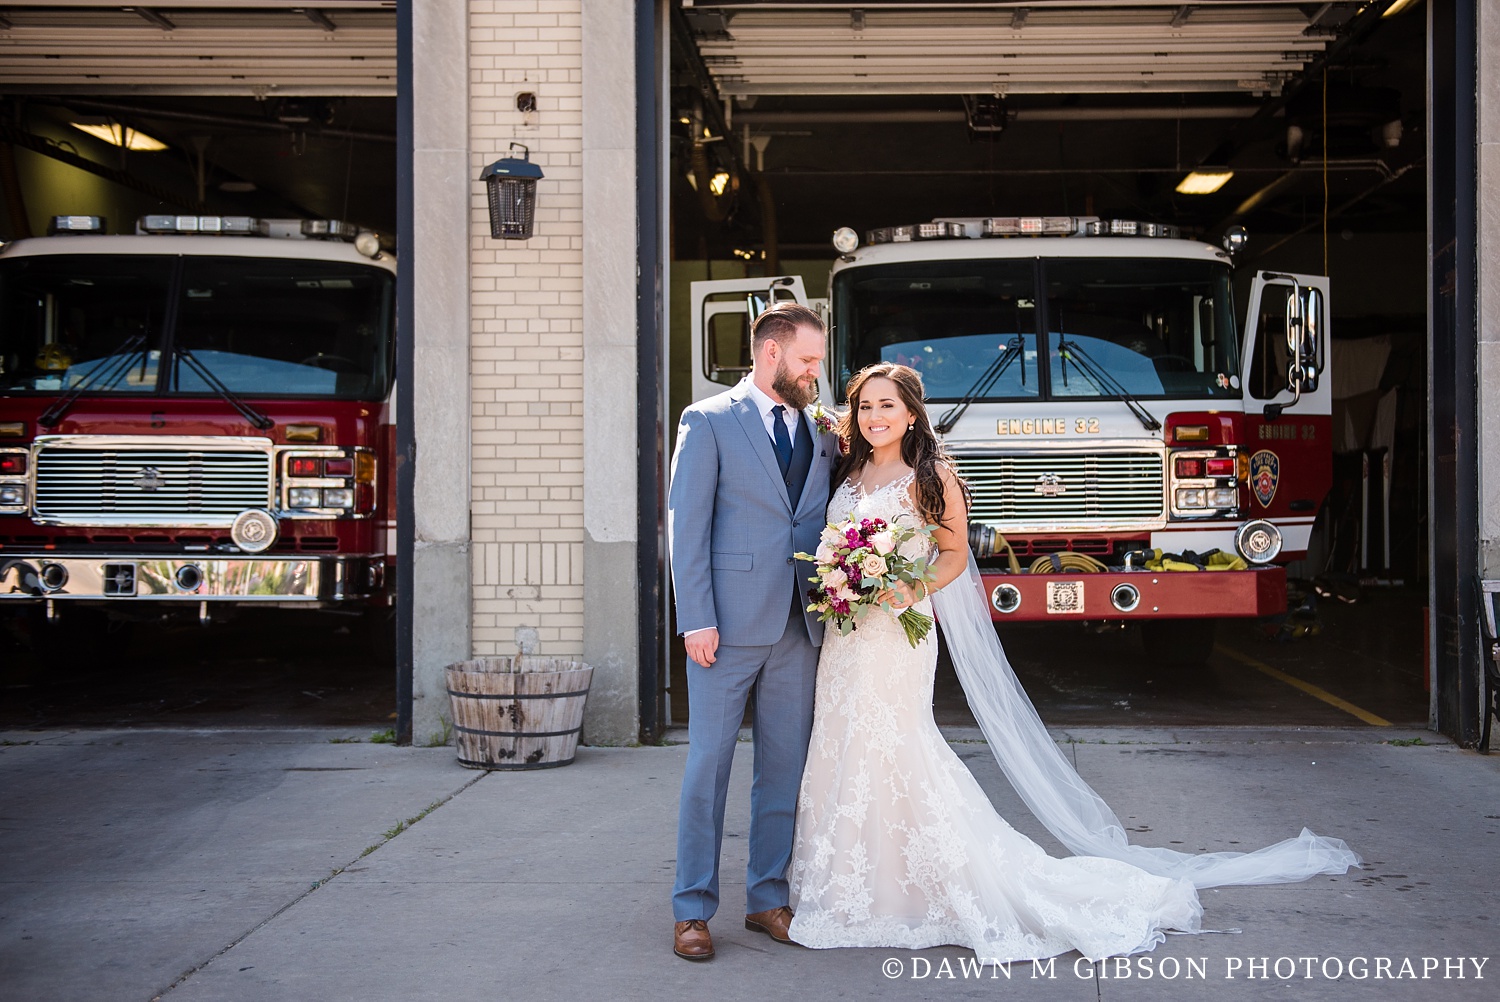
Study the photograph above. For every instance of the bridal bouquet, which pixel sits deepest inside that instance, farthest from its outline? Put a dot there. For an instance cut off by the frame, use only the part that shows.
(857, 560)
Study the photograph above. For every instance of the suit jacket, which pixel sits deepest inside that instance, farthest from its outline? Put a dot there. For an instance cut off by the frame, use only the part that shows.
(732, 529)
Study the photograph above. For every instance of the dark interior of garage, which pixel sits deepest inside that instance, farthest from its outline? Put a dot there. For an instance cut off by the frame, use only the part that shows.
(787, 124)
(266, 113)
(1317, 112)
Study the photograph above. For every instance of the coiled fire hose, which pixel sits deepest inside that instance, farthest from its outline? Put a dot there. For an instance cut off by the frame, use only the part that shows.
(1071, 563)
(987, 541)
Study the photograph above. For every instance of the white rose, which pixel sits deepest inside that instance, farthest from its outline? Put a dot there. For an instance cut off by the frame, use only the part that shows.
(835, 580)
(847, 594)
(824, 554)
(883, 542)
(873, 565)
(832, 536)
(915, 548)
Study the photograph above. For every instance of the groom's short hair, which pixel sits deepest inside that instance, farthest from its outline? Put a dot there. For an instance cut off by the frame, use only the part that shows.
(780, 323)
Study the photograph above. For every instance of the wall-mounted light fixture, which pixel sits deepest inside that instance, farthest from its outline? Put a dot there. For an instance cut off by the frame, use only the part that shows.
(512, 193)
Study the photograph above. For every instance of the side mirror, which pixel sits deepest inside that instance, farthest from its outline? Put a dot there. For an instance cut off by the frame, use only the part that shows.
(1310, 353)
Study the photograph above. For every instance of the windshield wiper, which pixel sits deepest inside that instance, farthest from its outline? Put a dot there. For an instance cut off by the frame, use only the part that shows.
(247, 412)
(115, 365)
(987, 379)
(1102, 380)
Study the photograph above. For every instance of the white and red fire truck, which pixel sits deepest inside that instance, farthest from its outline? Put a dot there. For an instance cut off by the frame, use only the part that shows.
(196, 415)
(1141, 447)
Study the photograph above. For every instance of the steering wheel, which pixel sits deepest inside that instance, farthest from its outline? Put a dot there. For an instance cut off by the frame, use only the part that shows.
(333, 363)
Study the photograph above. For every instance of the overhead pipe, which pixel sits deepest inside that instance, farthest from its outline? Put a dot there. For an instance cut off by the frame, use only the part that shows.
(935, 116)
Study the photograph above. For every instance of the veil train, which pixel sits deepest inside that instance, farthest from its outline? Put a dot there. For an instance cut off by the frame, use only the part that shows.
(1058, 796)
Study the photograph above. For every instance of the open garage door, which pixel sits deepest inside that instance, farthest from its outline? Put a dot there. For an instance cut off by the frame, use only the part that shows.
(236, 157)
(1303, 123)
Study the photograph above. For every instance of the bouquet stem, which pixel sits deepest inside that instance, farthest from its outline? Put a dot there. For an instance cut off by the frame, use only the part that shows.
(916, 624)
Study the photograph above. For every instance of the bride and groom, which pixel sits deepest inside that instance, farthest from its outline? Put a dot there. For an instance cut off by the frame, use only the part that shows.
(865, 828)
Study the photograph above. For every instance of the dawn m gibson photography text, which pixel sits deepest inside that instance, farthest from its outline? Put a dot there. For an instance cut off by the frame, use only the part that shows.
(1194, 969)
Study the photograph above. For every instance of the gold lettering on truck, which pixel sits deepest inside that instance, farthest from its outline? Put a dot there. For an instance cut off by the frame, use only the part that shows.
(1047, 426)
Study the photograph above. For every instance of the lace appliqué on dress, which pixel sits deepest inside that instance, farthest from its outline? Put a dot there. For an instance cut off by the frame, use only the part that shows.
(898, 846)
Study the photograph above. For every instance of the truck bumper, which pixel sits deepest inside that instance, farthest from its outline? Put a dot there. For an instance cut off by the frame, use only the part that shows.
(137, 578)
(1133, 595)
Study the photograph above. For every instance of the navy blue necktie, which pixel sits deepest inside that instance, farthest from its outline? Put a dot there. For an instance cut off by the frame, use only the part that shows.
(782, 440)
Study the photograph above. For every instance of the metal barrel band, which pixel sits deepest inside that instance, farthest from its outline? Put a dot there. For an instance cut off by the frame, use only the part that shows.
(518, 734)
(512, 766)
(517, 695)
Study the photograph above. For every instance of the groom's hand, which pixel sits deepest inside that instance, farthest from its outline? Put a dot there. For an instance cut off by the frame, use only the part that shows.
(702, 646)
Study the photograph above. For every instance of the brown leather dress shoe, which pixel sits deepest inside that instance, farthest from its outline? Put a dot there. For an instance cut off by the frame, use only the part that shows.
(773, 923)
(691, 941)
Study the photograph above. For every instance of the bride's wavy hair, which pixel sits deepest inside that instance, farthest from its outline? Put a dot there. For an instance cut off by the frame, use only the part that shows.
(920, 447)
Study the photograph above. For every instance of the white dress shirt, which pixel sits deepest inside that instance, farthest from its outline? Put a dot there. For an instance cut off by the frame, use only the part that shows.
(765, 404)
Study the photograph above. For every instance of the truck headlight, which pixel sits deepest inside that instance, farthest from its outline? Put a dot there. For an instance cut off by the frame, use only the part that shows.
(303, 497)
(338, 497)
(13, 495)
(1223, 497)
(1192, 497)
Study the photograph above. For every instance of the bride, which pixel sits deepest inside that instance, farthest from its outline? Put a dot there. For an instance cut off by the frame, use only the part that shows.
(896, 844)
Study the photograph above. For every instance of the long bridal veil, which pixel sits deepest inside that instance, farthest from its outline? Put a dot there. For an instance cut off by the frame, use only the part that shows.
(1059, 797)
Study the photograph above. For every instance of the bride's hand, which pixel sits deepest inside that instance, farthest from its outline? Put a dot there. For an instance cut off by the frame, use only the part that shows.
(901, 596)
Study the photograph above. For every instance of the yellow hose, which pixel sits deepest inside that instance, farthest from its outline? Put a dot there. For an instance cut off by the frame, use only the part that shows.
(1072, 563)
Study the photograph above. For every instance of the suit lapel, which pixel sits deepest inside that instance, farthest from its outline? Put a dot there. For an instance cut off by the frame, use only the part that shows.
(760, 443)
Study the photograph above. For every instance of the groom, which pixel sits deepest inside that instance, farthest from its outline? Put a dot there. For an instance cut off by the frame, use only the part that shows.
(749, 486)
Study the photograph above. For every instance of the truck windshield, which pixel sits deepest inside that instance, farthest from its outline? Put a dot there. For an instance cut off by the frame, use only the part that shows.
(1161, 327)
(949, 320)
(264, 327)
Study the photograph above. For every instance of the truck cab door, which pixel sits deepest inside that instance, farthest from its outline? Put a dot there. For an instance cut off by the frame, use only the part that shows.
(1288, 402)
(722, 311)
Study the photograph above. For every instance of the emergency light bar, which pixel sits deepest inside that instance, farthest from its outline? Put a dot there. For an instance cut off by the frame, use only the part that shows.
(1019, 226)
(226, 225)
(243, 226)
(76, 224)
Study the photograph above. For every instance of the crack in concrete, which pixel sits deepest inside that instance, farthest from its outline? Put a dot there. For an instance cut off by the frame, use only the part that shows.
(400, 827)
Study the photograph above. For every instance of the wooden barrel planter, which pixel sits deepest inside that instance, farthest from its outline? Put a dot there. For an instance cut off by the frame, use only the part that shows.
(521, 712)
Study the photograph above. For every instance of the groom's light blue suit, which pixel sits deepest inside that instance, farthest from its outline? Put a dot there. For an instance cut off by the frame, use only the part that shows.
(732, 527)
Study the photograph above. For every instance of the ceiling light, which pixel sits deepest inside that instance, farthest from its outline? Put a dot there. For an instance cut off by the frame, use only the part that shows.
(120, 135)
(1203, 182)
(718, 183)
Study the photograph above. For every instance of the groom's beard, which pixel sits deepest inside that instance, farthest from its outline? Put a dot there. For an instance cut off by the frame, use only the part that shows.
(794, 394)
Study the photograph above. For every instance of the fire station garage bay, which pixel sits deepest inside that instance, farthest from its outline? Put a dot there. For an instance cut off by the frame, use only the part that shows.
(1194, 290)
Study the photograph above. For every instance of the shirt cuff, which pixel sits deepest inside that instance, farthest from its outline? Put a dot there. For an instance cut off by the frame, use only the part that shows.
(700, 629)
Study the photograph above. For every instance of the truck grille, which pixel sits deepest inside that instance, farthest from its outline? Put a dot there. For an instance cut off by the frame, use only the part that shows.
(150, 485)
(1066, 489)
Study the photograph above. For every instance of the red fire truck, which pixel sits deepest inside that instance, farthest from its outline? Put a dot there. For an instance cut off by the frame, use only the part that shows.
(1139, 450)
(196, 416)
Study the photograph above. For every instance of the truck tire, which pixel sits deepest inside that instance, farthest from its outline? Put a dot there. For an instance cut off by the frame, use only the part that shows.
(1178, 642)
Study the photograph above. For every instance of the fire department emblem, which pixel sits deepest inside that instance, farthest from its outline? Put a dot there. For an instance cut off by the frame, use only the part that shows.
(1265, 473)
(150, 480)
(1050, 485)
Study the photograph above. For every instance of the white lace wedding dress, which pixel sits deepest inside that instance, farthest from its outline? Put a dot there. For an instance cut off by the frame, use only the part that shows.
(896, 844)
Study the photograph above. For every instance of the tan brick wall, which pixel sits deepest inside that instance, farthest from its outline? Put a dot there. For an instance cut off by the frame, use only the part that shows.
(527, 333)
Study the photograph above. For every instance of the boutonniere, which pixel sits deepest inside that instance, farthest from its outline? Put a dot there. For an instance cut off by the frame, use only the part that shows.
(822, 419)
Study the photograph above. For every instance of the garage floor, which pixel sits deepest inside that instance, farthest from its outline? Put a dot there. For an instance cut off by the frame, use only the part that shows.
(1364, 666)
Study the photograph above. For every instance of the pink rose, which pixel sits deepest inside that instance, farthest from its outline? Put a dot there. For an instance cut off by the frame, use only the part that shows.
(834, 580)
(883, 542)
(873, 565)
